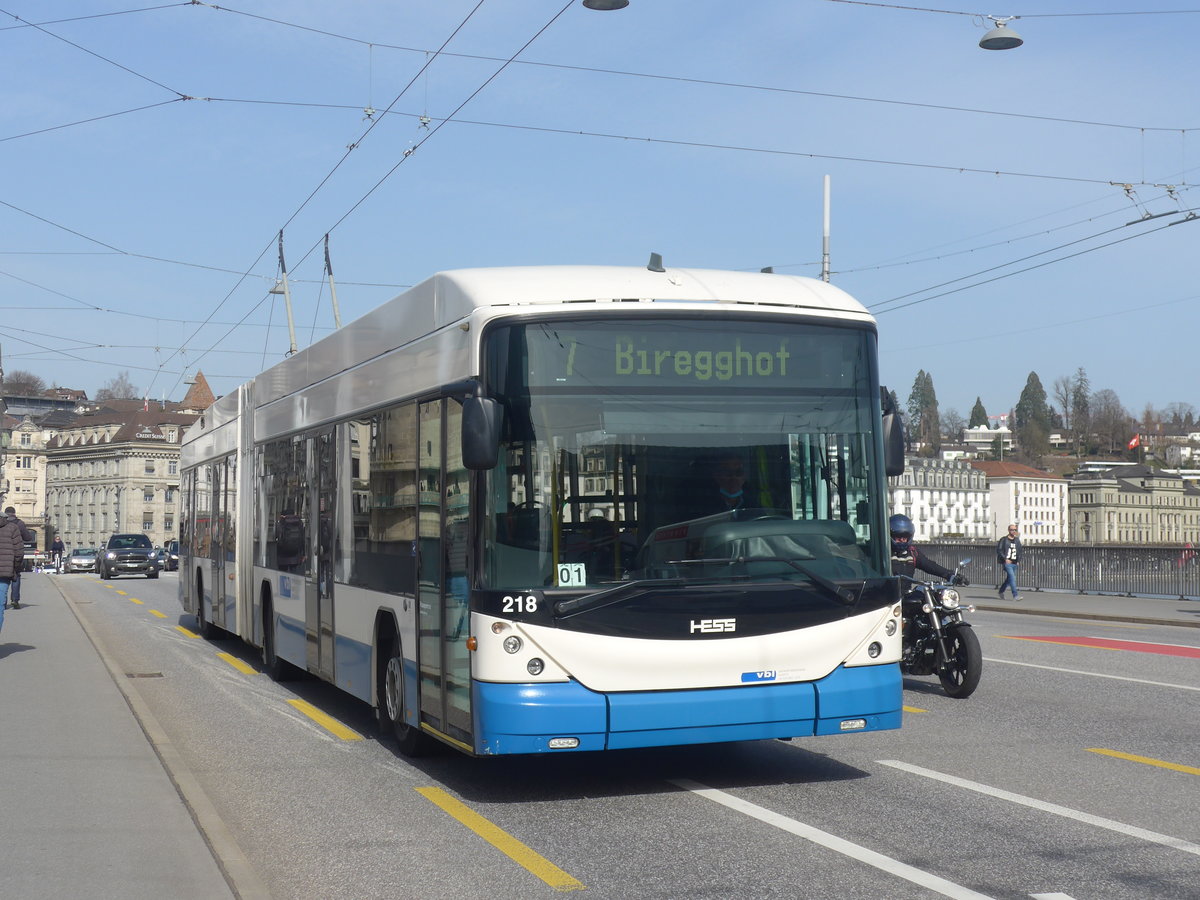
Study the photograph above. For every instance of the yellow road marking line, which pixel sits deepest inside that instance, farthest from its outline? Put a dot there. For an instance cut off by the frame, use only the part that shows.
(915, 709)
(1190, 770)
(155, 612)
(137, 601)
(502, 841)
(236, 663)
(330, 724)
(122, 593)
(185, 632)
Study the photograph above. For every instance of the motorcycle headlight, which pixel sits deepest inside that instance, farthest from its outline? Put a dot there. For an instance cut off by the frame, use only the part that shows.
(950, 598)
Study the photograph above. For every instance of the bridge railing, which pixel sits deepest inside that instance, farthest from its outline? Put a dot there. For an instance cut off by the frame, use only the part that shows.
(1165, 571)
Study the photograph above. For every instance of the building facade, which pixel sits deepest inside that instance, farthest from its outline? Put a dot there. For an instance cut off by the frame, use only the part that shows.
(115, 471)
(944, 498)
(24, 486)
(1036, 501)
(1134, 505)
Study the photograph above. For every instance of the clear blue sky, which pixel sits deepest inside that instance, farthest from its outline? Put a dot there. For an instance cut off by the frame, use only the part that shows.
(145, 241)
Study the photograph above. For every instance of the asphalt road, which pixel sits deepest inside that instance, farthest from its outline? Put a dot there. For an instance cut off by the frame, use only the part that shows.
(1073, 772)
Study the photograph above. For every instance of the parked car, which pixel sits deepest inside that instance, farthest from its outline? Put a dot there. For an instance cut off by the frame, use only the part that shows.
(170, 556)
(127, 554)
(81, 559)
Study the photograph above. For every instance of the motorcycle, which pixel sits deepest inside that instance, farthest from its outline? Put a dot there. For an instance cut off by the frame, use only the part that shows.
(937, 641)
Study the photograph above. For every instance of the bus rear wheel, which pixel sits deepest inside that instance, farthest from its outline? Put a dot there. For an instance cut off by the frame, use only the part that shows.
(277, 669)
(410, 741)
(203, 628)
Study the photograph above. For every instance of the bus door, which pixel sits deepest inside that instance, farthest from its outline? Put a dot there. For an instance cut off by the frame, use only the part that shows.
(318, 588)
(224, 482)
(443, 618)
(216, 548)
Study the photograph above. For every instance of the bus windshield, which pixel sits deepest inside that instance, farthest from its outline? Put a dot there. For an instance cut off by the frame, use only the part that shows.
(685, 449)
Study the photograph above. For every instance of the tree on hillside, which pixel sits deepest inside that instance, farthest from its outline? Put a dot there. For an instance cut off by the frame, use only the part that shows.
(1111, 424)
(923, 415)
(1032, 420)
(119, 388)
(19, 383)
(1081, 412)
(1181, 415)
(1064, 388)
(952, 424)
(978, 415)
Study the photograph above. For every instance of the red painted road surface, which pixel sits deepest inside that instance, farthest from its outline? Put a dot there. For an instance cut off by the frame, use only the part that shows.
(1107, 644)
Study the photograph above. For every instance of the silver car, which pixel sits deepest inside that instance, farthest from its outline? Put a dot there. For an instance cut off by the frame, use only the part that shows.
(82, 559)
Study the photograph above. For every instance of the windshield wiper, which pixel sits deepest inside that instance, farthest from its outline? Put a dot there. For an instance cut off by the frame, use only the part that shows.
(625, 591)
(840, 594)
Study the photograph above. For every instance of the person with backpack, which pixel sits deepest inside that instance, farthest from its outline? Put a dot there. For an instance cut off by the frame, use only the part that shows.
(289, 541)
(26, 537)
(12, 557)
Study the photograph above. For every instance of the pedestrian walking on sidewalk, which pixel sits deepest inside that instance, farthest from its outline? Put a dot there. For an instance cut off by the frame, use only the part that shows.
(1008, 554)
(12, 557)
(26, 536)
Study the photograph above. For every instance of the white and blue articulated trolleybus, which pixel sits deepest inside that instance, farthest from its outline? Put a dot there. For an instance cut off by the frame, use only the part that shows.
(525, 510)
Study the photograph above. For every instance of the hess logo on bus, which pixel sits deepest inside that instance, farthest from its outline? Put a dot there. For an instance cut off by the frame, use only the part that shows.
(713, 626)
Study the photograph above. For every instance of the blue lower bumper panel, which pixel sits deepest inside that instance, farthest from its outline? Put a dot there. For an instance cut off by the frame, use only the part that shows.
(523, 718)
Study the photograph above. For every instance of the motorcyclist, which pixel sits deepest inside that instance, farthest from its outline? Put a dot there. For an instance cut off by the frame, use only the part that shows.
(906, 558)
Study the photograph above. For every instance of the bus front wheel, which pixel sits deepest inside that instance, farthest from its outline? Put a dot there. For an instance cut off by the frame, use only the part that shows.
(409, 739)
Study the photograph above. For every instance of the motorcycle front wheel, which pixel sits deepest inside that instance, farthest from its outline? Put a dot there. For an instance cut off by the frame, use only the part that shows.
(960, 672)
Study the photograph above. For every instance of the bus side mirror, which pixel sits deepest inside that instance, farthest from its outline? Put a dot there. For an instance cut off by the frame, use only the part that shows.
(893, 435)
(481, 420)
(893, 444)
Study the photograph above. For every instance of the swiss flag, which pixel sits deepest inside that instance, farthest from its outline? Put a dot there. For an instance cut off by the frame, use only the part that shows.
(1135, 441)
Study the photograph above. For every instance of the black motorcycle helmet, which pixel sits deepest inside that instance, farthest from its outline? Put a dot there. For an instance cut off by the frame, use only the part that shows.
(902, 530)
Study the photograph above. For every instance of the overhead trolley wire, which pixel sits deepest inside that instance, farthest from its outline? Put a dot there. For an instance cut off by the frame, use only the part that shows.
(689, 80)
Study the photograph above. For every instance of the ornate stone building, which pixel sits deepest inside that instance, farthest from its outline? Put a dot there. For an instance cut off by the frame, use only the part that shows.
(116, 469)
(1134, 505)
(944, 498)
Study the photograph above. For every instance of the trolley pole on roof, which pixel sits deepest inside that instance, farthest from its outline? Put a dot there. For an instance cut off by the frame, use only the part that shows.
(287, 296)
(337, 316)
(825, 236)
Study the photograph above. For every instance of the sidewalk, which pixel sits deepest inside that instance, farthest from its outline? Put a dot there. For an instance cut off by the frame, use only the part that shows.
(1109, 607)
(88, 808)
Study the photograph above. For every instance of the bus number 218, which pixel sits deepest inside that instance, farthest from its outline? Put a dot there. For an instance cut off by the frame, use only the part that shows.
(521, 603)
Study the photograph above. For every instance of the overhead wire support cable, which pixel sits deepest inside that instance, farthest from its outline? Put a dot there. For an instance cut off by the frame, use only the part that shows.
(124, 112)
(1187, 218)
(106, 15)
(147, 78)
(690, 80)
(441, 123)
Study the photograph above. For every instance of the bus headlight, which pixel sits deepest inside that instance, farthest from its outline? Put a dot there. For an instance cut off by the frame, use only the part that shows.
(874, 649)
(535, 666)
(890, 628)
(950, 598)
(512, 644)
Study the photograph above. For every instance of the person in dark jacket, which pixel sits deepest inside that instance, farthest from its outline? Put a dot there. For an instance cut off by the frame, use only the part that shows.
(57, 549)
(1008, 554)
(12, 557)
(27, 537)
(906, 558)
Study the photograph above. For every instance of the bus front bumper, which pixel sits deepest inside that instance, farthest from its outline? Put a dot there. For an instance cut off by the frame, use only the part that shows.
(540, 718)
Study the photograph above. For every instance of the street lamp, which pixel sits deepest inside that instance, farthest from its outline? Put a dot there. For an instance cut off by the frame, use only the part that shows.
(606, 4)
(1001, 37)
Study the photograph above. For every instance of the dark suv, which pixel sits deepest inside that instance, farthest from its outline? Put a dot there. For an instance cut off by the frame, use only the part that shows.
(127, 554)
